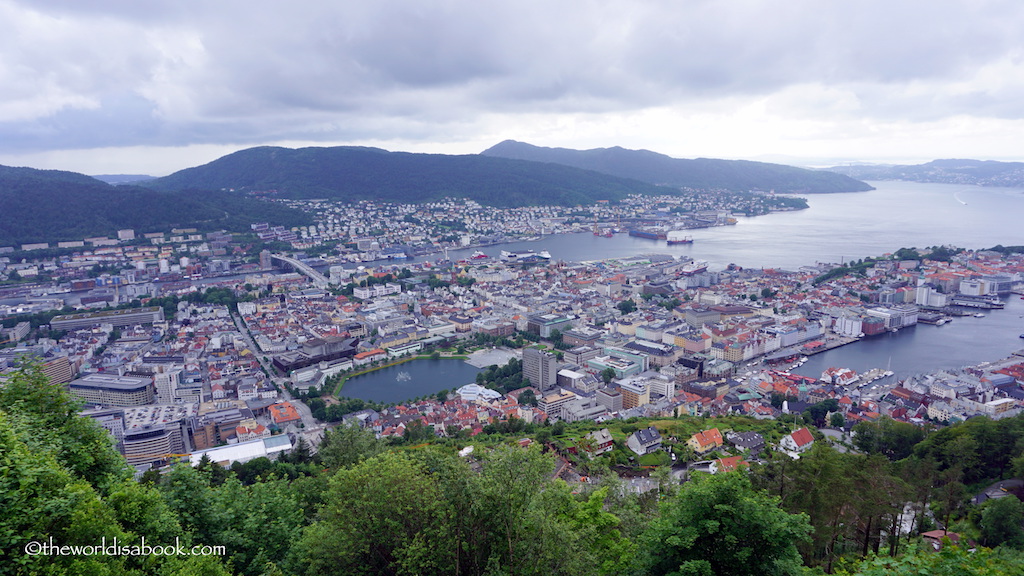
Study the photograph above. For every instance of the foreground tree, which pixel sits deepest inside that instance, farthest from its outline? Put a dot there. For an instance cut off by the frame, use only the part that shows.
(720, 525)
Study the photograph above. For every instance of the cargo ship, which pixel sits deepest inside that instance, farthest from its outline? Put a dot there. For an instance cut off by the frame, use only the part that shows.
(673, 240)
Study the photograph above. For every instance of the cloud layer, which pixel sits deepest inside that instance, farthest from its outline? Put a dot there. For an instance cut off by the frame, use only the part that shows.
(685, 78)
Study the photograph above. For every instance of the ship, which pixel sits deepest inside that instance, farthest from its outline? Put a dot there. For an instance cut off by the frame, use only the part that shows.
(676, 239)
(478, 255)
(694, 268)
(524, 255)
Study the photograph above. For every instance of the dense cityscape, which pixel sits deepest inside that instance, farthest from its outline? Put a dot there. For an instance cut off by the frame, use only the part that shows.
(511, 289)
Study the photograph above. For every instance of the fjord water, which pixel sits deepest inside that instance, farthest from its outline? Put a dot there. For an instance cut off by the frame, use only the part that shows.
(841, 227)
(835, 228)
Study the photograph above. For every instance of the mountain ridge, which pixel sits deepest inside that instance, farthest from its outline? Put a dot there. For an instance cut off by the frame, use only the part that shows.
(943, 171)
(55, 205)
(699, 173)
(357, 173)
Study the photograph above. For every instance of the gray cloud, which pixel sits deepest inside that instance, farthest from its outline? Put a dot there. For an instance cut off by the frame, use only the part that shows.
(166, 73)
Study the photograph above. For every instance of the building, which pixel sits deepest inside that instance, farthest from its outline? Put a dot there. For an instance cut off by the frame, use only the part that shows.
(610, 398)
(544, 324)
(552, 404)
(748, 441)
(727, 464)
(601, 441)
(113, 390)
(705, 441)
(644, 441)
(284, 413)
(635, 393)
(154, 444)
(540, 367)
(116, 318)
(215, 428)
(579, 409)
(799, 441)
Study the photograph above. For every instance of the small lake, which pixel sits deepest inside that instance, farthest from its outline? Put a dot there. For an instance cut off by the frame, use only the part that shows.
(410, 380)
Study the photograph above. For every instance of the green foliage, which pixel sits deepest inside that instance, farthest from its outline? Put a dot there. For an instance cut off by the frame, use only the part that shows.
(720, 525)
(401, 525)
(626, 306)
(950, 561)
(1002, 523)
(528, 398)
(80, 445)
(346, 446)
(894, 440)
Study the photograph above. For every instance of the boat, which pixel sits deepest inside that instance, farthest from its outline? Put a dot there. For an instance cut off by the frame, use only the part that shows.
(671, 241)
(1022, 335)
(694, 268)
(979, 315)
(478, 255)
(524, 255)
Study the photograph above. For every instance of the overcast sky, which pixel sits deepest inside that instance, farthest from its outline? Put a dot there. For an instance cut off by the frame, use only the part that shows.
(149, 87)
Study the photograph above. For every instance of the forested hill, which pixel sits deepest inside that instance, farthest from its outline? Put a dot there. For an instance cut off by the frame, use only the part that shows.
(354, 173)
(700, 173)
(51, 205)
(974, 172)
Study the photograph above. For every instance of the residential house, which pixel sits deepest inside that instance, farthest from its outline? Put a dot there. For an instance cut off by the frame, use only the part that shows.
(644, 441)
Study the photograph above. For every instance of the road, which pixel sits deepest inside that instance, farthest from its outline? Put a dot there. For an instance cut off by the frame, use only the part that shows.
(309, 423)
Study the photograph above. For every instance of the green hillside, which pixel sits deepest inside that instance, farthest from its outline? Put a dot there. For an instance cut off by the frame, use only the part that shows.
(700, 173)
(50, 206)
(352, 173)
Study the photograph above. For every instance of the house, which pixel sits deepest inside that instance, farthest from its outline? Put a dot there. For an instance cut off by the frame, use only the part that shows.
(727, 464)
(748, 441)
(644, 441)
(601, 441)
(799, 441)
(705, 441)
(935, 537)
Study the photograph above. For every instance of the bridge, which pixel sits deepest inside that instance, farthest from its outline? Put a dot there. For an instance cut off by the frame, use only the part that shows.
(319, 280)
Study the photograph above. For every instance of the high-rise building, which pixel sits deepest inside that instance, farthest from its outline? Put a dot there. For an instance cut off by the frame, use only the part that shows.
(634, 393)
(540, 367)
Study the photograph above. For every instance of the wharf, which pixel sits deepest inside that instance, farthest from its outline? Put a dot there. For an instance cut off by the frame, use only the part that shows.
(831, 345)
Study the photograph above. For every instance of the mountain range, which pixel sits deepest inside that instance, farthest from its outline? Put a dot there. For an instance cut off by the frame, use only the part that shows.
(53, 205)
(356, 173)
(699, 173)
(50, 205)
(974, 172)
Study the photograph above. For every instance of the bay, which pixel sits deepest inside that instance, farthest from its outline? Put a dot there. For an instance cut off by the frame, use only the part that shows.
(835, 228)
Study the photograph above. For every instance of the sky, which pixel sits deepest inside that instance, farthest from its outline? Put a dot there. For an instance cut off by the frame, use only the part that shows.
(130, 87)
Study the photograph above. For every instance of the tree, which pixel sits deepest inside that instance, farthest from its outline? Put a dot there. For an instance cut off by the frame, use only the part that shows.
(401, 528)
(608, 374)
(528, 398)
(1001, 522)
(719, 525)
(626, 306)
(837, 420)
(345, 446)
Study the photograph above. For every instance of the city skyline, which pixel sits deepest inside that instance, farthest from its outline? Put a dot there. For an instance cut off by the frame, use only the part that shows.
(111, 88)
